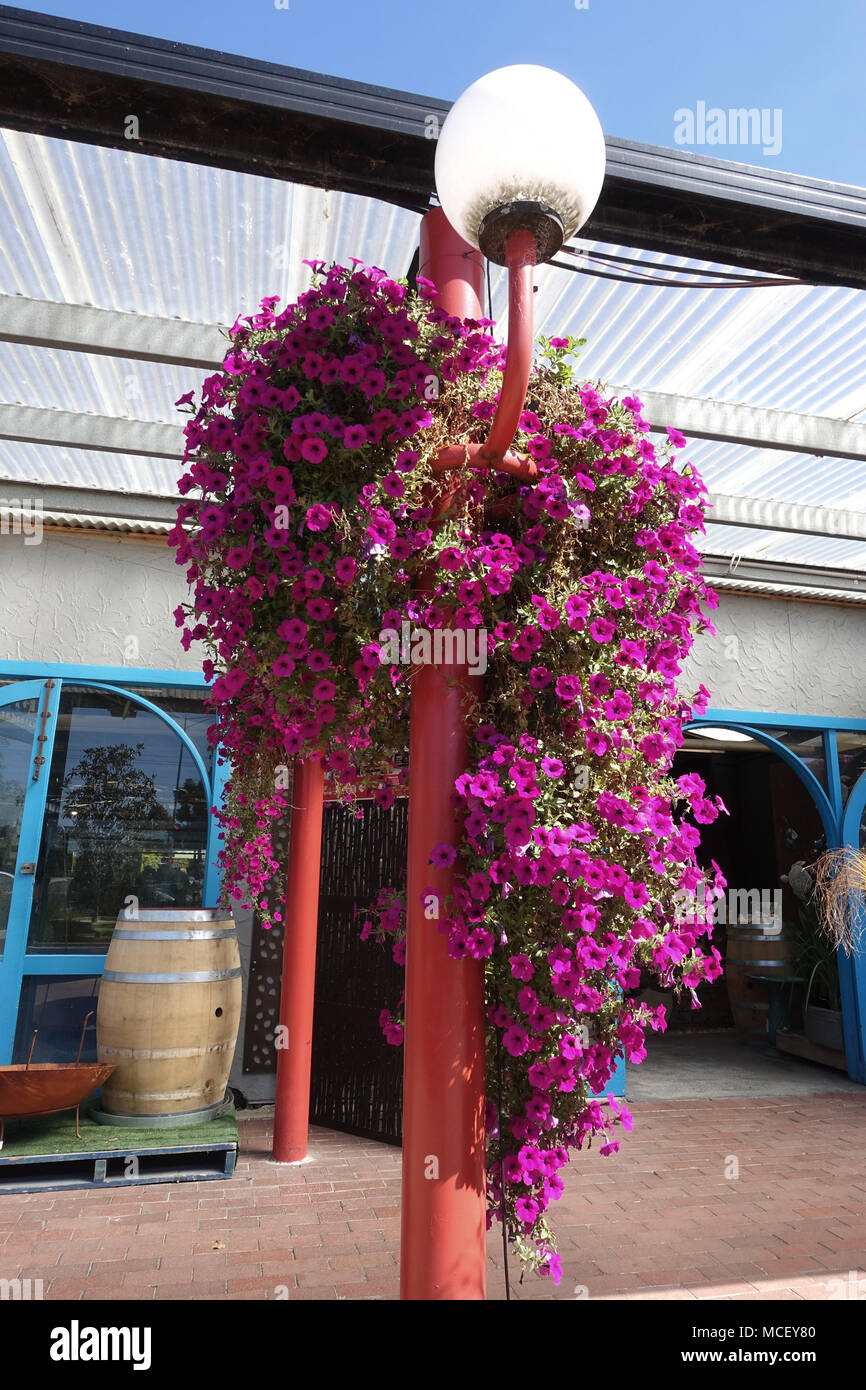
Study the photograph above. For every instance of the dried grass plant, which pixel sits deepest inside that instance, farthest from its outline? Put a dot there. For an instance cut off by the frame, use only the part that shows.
(840, 885)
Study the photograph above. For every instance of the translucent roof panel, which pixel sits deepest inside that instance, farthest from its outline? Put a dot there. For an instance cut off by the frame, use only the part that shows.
(784, 347)
(93, 384)
(120, 230)
(740, 471)
(81, 468)
(785, 547)
(131, 233)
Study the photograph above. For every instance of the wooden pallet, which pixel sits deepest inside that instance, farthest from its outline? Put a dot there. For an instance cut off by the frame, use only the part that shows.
(114, 1168)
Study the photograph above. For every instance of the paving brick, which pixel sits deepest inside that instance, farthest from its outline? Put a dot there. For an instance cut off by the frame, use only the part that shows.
(375, 1259)
(73, 1289)
(313, 1278)
(372, 1288)
(657, 1222)
(266, 1287)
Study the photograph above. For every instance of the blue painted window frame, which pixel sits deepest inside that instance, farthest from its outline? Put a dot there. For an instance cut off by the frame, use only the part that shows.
(19, 964)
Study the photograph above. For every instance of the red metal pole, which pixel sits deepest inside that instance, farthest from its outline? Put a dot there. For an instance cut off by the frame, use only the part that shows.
(495, 452)
(442, 1252)
(295, 1044)
(520, 255)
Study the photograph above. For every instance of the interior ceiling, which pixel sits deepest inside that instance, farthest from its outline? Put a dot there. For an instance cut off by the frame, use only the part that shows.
(86, 225)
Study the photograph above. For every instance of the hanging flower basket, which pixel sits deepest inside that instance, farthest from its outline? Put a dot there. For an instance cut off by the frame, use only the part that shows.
(311, 512)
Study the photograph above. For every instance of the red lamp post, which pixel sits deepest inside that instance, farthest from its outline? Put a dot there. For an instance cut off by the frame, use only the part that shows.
(443, 1252)
(443, 1201)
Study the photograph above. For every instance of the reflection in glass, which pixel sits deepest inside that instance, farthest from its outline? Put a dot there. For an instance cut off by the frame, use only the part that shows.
(126, 818)
(186, 708)
(852, 759)
(772, 830)
(17, 728)
(57, 1007)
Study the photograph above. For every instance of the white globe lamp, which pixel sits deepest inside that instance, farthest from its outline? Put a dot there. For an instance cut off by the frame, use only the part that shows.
(522, 148)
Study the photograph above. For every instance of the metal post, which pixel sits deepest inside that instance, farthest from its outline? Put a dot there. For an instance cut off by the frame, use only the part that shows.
(295, 1044)
(443, 1206)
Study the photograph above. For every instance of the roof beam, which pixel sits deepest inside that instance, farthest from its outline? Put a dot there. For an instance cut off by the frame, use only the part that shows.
(144, 338)
(142, 438)
(752, 425)
(157, 439)
(107, 507)
(107, 434)
(77, 81)
(762, 514)
(81, 328)
(88, 501)
(752, 574)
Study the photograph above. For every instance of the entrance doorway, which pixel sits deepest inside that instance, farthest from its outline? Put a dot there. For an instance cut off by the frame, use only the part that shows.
(786, 790)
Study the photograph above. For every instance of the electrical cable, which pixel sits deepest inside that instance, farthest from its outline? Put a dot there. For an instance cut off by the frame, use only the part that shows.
(668, 284)
(728, 275)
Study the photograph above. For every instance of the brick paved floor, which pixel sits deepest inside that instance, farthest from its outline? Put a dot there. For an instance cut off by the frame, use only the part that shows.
(658, 1221)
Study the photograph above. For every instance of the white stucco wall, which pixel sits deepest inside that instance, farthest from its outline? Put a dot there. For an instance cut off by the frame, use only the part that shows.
(98, 601)
(779, 656)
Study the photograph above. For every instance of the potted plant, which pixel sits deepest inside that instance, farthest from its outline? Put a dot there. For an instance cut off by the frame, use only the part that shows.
(815, 960)
(822, 1011)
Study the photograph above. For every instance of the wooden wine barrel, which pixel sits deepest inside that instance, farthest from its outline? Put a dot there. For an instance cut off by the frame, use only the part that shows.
(168, 1016)
(750, 951)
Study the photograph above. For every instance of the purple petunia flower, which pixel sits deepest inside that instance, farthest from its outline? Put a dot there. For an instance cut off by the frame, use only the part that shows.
(443, 856)
(567, 688)
(318, 517)
(515, 1040)
(602, 630)
(553, 767)
(355, 437)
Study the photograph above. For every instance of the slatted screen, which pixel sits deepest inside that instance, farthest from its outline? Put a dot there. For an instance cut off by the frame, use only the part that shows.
(357, 1077)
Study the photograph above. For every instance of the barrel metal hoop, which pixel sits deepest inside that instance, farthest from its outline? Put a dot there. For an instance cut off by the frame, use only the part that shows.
(121, 934)
(196, 977)
(174, 914)
(186, 1094)
(739, 960)
(160, 1120)
(147, 1054)
(757, 936)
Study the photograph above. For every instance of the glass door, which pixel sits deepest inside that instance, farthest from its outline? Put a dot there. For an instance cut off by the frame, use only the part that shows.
(104, 806)
(28, 712)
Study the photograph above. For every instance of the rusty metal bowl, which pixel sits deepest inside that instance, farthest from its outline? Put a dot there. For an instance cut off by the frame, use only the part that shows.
(29, 1089)
(45, 1088)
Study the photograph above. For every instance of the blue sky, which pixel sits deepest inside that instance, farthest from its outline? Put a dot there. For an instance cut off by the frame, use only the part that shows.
(639, 61)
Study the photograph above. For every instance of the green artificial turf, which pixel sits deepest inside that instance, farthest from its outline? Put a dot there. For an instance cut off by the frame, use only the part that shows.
(55, 1134)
